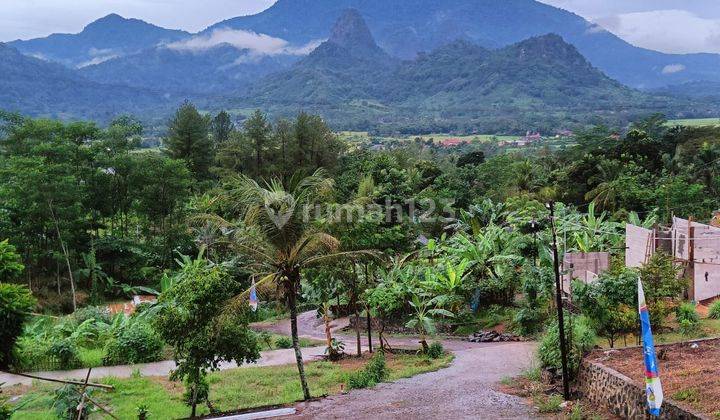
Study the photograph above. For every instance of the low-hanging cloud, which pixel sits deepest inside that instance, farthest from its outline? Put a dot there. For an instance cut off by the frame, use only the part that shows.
(257, 44)
(673, 68)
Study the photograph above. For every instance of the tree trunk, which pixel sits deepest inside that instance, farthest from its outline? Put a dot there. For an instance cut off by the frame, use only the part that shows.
(292, 303)
(332, 354)
(67, 256)
(380, 334)
(355, 308)
(193, 410)
(369, 328)
(367, 309)
(357, 331)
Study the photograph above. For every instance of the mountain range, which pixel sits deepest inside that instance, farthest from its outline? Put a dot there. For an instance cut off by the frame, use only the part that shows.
(459, 64)
(37, 87)
(107, 38)
(541, 81)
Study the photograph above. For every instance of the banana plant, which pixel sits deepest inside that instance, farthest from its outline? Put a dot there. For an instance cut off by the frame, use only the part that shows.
(448, 284)
(425, 310)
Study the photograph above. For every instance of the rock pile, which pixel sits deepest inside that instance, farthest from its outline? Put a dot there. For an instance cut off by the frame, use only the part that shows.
(492, 337)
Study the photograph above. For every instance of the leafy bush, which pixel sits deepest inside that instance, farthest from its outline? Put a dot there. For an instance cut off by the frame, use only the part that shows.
(435, 350)
(135, 342)
(92, 312)
(373, 373)
(66, 353)
(549, 404)
(528, 320)
(583, 339)
(16, 303)
(6, 411)
(67, 399)
(283, 342)
(143, 411)
(688, 318)
(714, 311)
(686, 312)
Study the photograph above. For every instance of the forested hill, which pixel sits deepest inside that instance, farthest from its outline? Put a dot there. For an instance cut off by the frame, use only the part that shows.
(461, 85)
(406, 27)
(348, 66)
(37, 87)
(106, 38)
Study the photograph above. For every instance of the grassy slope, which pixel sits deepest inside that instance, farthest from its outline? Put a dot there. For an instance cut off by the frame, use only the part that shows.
(695, 122)
(230, 390)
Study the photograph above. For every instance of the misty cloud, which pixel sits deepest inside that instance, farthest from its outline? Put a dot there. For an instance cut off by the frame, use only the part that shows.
(673, 68)
(258, 44)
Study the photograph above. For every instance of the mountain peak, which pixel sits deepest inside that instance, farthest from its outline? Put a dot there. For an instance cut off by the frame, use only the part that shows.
(548, 46)
(351, 31)
(111, 19)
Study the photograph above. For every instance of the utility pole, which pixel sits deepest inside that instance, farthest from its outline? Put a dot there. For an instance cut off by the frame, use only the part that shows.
(558, 301)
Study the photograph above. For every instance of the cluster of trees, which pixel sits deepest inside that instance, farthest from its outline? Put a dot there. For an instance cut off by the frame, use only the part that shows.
(446, 232)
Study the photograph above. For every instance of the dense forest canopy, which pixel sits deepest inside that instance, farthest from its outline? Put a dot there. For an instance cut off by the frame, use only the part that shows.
(70, 190)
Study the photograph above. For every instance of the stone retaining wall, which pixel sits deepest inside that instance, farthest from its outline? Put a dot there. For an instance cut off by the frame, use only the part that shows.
(624, 397)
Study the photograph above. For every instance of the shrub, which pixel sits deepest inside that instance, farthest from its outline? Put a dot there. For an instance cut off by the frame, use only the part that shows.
(583, 339)
(16, 302)
(135, 342)
(143, 412)
(6, 411)
(373, 373)
(689, 328)
(92, 312)
(528, 320)
(686, 311)
(66, 353)
(549, 404)
(283, 342)
(67, 399)
(435, 350)
(714, 311)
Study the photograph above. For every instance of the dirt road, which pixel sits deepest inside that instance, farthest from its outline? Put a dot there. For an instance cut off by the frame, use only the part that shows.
(462, 391)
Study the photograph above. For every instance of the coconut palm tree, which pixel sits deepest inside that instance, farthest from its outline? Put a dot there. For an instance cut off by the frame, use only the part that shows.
(278, 239)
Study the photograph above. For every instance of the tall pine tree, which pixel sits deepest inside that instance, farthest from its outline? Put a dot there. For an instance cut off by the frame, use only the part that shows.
(188, 138)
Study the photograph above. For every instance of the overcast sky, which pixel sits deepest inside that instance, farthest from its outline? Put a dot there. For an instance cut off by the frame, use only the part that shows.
(666, 25)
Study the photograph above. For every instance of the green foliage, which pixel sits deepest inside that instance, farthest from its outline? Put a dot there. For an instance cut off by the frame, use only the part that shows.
(551, 404)
(10, 263)
(609, 303)
(16, 303)
(188, 139)
(714, 311)
(94, 313)
(579, 337)
(660, 278)
(529, 320)
(283, 342)
(143, 412)
(688, 318)
(135, 342)
(191, 319)
(687, 311)
(66, 353)
(435, 350)
(374, 372)
(67, 400)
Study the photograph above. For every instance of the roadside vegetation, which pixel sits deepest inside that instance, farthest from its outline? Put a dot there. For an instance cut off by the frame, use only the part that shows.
(414, 239)
(232, 390)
